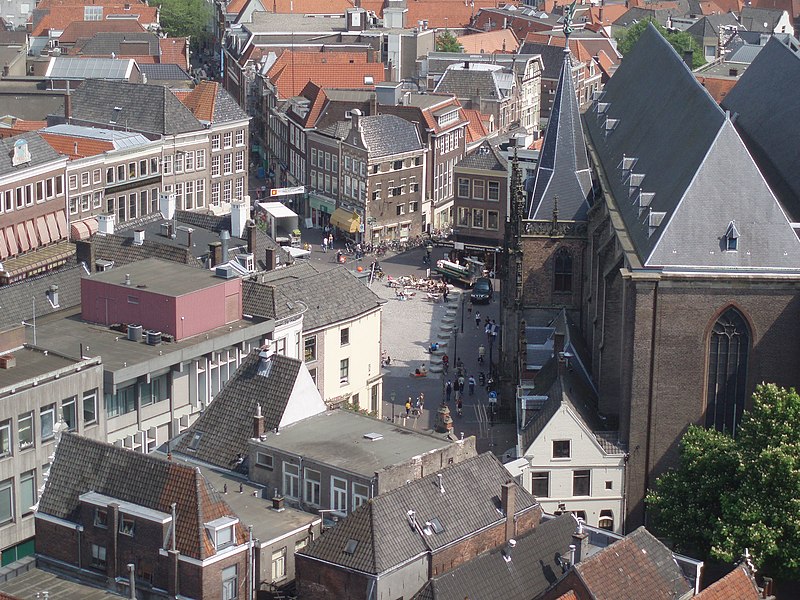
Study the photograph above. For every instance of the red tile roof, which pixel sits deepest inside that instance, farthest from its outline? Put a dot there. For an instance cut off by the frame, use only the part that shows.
(479, 124)
(445, 13)
(736, 585)
(174, 51)
(293, 70)
(499, 40)
(201, 100)
(717, 87)
(76, 147)
(609, 12)
(298, 7)
(60, 16)
(570, 595)
(23, 125)
(86, 29)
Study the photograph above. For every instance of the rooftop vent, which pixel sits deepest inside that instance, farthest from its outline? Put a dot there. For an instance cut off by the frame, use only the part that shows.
(135, 333)
(373, 437)
(441, 487)
(8, 361)
(138, 237)
(153, 337)
(277, 503)
(225, 271)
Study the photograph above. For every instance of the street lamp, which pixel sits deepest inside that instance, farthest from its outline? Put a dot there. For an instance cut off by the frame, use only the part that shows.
(392, 396)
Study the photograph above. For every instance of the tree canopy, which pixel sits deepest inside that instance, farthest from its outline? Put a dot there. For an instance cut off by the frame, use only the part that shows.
(680, 40)
(728, 494)
(447, 42)
(182, 18)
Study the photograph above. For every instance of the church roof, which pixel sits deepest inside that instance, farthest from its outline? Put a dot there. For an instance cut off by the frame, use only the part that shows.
(563, 175)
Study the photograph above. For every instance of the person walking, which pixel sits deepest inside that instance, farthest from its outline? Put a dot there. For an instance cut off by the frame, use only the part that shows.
(460, 407)
(481, 353)
(477, 319)
(471, 385)
(461, 383)
(408, 406)
(448, 391)
(421, 401)
(325, 244)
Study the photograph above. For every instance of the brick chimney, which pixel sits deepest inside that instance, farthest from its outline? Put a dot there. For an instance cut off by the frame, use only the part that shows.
(508, 501)
(215, 253)
(258, 423)
(250, 236)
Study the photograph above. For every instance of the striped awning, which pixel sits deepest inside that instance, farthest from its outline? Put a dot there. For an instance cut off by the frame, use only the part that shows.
(81, 230)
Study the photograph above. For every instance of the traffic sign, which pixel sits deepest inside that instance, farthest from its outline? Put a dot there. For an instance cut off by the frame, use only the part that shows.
(287, 191)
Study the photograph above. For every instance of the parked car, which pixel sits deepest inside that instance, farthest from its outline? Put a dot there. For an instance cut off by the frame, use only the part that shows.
(482, 291)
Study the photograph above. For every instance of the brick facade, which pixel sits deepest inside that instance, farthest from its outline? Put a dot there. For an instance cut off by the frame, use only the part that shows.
(538, 262)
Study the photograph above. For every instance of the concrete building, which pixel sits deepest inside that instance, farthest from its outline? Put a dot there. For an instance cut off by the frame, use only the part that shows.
(336, 461)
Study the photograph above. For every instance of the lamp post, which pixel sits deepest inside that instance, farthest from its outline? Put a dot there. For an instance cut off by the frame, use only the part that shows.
(392, 396)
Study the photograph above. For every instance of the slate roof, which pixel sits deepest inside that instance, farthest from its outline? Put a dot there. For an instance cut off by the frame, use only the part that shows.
(487, 82)
(149, 109)
(635, 14)
(754, 19)
(532, 570)
(381, 527)
(679, 188)
(385, 135)
(484, 157)
(709, 25)
(332, 295)
(167, 72)
(563, 168)
(16, 300)
(225, 107)
(41, 153)
(736, 585)
(108, 42)
(82, 465)
(637, 566)
(552, 58)
(765, 103)
(226, 424)
(122, 250)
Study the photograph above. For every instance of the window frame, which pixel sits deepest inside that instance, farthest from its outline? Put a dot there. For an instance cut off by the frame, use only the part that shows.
(540, 476)
(312, 488)
(580, 478)
(559, 454)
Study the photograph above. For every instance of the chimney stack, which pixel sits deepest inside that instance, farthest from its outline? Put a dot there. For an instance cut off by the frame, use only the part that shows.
(250, 236)
(580, 543)
(258, 423)
(215, 253)
(224, 238)
(355, 115)
(508, 501)
(688, 58)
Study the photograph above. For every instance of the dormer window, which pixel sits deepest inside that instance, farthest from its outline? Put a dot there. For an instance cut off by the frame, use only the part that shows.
(222, 532)
(732, 238)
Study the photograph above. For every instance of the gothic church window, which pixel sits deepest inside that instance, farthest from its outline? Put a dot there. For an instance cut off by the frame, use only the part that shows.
(562, 279)
(729, 345)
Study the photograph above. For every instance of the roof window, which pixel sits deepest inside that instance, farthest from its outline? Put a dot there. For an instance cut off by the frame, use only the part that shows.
(350, 547)
(732, 238)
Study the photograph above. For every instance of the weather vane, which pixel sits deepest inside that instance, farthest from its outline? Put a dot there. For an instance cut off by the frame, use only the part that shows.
(569, 14)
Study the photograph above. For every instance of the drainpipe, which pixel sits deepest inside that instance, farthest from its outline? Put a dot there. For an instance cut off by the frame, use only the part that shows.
(132, 580)
(250, 578)
(174, 525)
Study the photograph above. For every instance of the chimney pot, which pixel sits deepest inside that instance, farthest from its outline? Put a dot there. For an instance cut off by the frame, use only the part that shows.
(508, 500)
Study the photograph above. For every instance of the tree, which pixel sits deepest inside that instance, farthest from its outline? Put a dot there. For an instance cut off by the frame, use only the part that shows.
(447, 42)
(680, 40)
(730, 494)
(182, 18)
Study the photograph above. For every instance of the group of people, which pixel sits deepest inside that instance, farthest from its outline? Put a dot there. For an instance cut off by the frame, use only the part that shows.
(416, 407)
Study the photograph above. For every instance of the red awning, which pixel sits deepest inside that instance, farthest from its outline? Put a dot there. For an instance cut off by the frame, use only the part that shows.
(3, 248)
(32, 237)
(22, 238)
(81, 230)
(63, 230)
(52, 227)
(41, 227)
(11, 241)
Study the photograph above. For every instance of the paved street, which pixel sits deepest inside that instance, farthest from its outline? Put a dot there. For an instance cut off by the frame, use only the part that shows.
(408, 328)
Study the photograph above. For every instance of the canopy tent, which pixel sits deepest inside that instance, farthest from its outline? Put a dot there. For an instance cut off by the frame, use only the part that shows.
(345, 220)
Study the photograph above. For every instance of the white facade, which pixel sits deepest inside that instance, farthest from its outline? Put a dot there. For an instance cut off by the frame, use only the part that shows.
(568, 470)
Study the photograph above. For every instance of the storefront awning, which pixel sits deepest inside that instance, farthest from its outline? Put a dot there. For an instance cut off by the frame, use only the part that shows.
(81, 230)
(345, 220)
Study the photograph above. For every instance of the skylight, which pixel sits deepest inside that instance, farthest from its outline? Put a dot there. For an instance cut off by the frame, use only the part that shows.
(350, 547)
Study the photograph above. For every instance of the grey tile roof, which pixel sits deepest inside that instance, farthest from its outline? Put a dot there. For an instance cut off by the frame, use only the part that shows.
(226, 424)
(226, 109)
(763, 20)
(563, 168)
(687, 183)
(166, 72)
(381, 526)
(16, 300)
(532, 570)
(635, 14)
(470, 83)
(149, 109)
(552, 58)
(122, 250)
(82, 465)
(332, 295)
(384, 135)
(108, 42)
(762, 101)
(339, 130)
(485, 157)
(41, 153)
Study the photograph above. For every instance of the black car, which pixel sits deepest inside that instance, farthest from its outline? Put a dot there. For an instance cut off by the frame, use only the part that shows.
(482, 291)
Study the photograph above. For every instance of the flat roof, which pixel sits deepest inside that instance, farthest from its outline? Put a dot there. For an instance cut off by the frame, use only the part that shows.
(29, 586)
(337, 438)
(32, 362)
(160, 277)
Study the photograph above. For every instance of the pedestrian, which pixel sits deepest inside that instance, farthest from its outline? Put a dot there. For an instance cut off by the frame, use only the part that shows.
(477, 319)
(408, 406)
(421, 401)
(445, 292)
(325, 244)
(358, 251)
(471, 385)
(460, 406)
(481, 353)
(448, 391)
(330, 239)
(461, 383)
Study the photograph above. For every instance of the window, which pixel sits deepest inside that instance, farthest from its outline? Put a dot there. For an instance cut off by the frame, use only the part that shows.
(127, 526)
(69, 413)
(477, 218)
(6, 501)
(609, 485)
(413, 206)
(540, 484)
(344, 336)
(729, 344)
(240, 137)
(580, 483)
(463, 216)
(732, 238)
(561, 448)
(492, 220)
(240, 161)
(215, 193)
(606, 520)
(313, 481)
(123, 402)
(215, 165)
(226, 164)
(279, 564)
(224, 537)
(360, 494)
(400, 209)
(101, 518)
(200, 193)
(230, 582)
(215, 142)
(334, 163)
(98, 556)
(89, 407)
(397, 165)
(344, 370)
(120, 172)
(27, 491)
(562, 274)
(110, 175)
(310, 344)
(493, 190)
(59, 185)
(73, 182)
(291, 480)
(327, 161)
(239, 187)
(300, 544)
(227, 139)
(200, 159)
(477, 188)
(47, 417)
(5, 438)
(40, 191)
(264, 460)
(339, 495)
(313, 373)
(25, 430)
(96, 176)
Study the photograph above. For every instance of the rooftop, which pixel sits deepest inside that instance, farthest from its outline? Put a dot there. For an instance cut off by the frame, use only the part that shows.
(339, 438)
(68, 67)
(39, 151)
(160, 277)
(32, 363)
(29, 586)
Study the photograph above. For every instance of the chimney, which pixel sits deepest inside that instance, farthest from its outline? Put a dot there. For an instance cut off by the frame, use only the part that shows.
(355, 115)
(86, 254)
(688, 56)
(105, 224)
(240, 213)
(224, 238)
(508, 500)
(138, 237)
(258, 423)
(68, 105)
(441, 487)
(466, 65)
(166, 205)
(269, 259)
(215, 253)
(250, 236)
(580, 544)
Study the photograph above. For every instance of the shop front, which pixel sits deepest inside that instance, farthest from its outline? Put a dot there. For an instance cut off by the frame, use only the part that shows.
(320, 210)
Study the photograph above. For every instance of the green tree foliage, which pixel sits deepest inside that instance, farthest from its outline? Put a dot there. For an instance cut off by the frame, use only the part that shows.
(447, 42)
(680, 40)
(730, 494)
(181, 18)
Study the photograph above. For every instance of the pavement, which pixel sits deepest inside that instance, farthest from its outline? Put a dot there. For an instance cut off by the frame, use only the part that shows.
(409, 326)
